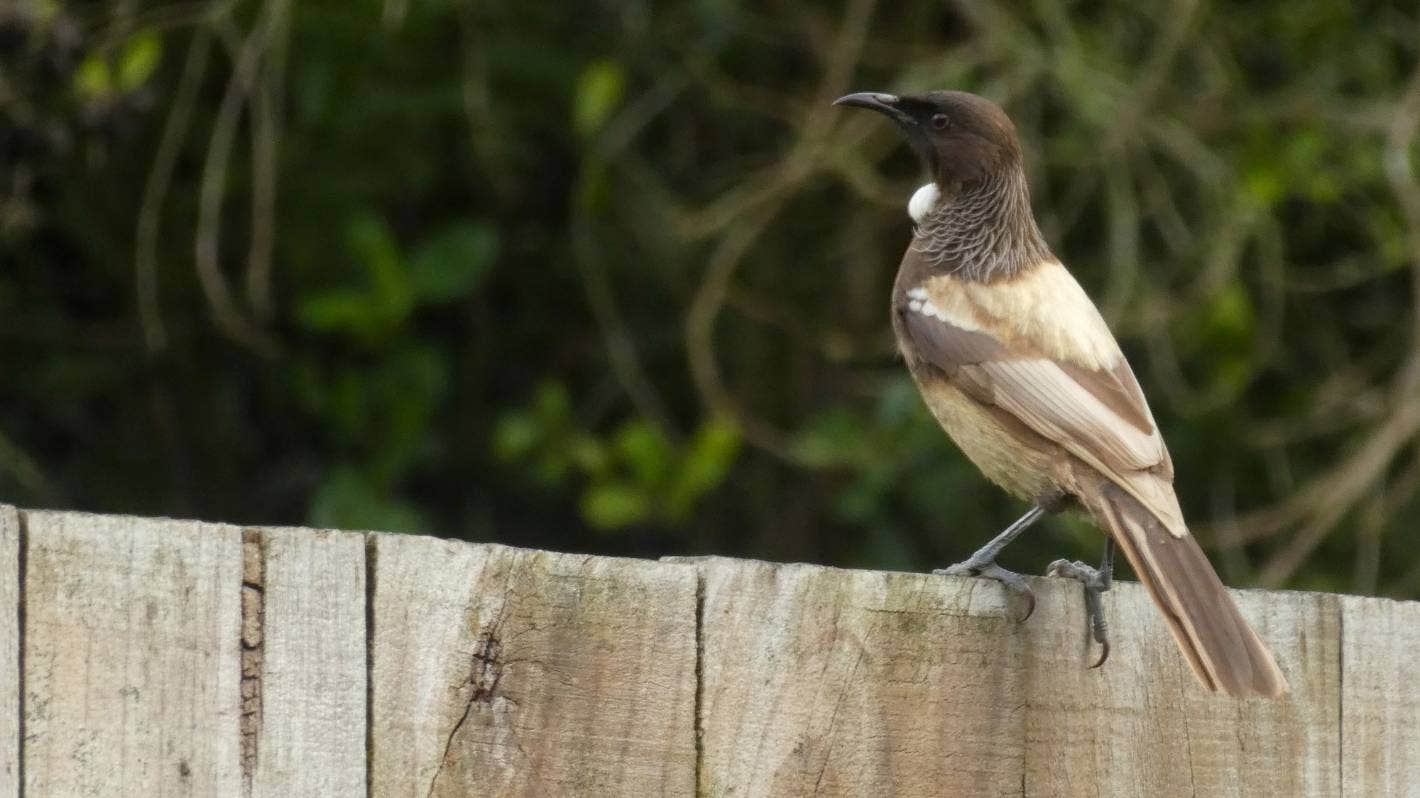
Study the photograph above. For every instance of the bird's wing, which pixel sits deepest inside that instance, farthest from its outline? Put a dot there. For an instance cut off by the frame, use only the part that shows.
(1052, 364)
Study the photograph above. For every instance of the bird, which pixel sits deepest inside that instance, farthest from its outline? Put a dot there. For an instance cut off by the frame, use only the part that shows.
(1019, 367)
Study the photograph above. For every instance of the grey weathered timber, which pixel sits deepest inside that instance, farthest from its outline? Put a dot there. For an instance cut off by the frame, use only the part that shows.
(153, 658)
(1141, 725)
(311, 737)
(9, 652)
(1380, 697)
(820, 681)
(131, 669)
(501, 671)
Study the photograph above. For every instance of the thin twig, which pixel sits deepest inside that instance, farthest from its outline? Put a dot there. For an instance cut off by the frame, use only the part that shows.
(145, 250)
(214, 182)
(266, 123)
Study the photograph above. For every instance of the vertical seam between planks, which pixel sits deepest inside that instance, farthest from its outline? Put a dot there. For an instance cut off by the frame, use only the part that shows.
(22, 540)
(371, 549)
(252, 648)
(699, 676)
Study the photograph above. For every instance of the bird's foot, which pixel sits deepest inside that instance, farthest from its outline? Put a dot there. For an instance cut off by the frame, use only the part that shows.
(1096, 581)
(1013, 581)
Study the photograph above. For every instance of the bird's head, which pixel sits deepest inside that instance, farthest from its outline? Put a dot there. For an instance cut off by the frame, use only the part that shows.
(960, 137)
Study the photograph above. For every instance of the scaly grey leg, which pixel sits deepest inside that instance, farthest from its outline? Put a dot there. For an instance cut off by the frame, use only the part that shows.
(983, 562)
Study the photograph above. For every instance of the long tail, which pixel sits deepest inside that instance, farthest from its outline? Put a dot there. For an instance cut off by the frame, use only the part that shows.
(1224, 651)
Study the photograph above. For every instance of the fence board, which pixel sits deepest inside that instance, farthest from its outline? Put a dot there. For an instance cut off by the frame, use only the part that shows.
(312, 731)
(821, 681)
(131, 663)
(9, 652)
(1380, 697)
(1140, 725)
(153, 657)
(500, 671)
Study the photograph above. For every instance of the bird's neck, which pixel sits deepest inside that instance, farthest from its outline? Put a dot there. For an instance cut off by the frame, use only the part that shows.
(983, 231)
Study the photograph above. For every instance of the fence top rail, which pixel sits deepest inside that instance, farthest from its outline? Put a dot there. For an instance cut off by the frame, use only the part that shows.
(151, 656)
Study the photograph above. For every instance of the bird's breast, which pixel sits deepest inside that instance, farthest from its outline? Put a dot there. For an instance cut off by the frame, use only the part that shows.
(1008, 457)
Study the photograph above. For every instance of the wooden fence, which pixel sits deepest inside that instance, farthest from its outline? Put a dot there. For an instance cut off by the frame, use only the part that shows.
(163, 658)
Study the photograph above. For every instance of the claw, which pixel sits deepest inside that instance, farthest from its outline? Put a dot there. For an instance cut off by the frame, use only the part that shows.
(1104, 655)
(1011, 580)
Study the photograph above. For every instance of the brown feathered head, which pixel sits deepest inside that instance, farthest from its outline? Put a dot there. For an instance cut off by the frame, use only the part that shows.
(961, 138)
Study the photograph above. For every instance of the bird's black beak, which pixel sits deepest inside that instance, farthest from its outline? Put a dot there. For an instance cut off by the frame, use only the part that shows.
(889, 104)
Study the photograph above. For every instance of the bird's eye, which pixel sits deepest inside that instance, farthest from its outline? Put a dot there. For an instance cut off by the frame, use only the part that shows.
(940, 121)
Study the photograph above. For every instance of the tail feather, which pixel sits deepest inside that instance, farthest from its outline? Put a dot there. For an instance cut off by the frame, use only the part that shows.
(1218, 643)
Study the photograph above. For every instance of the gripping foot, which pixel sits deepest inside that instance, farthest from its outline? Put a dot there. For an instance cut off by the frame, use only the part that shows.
(1095, 581)
(1013, 581)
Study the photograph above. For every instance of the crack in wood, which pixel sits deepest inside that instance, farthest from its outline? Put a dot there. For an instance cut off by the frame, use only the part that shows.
(371, 574)
(699, 679)
(485, 672)
(22, 534)
(253, 645)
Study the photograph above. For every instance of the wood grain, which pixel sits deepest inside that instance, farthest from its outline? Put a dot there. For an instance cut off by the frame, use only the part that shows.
(154, 657)
(1141, 725)
(312, 732)
(818, 681)
(9, 652)
(1380, 697)
(131, 658)
(501, 671)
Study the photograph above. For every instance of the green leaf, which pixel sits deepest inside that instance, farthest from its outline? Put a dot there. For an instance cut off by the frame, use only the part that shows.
(449, 265)
(370, 241)
(589, 454)
(600, 88)
(1231, 317)
(613, 505)
(408, 386)
(516, 435)
(1263, 184)
(645, 451)
(834, 437)
(139, 58)
(552, 404)
(337, 310)
(703, 467)
(593, 185)
(92, 78)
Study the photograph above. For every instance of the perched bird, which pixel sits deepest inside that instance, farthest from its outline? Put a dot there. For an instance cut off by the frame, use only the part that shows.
(1017, 365)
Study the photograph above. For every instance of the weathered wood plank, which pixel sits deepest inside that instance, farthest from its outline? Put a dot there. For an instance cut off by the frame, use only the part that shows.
(822, 681)
(9, 652)
(1380, 697)
(500, 671)
(311, 738)
(1141, 724)
(131, 658)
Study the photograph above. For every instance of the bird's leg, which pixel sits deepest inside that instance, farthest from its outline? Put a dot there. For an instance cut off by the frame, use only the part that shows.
(1096, 582)
(983, 562)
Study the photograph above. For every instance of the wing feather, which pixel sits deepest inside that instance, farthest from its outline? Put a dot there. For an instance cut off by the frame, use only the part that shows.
(1098, 414)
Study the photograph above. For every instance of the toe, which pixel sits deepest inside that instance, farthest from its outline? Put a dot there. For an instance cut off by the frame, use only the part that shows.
(1104, 654)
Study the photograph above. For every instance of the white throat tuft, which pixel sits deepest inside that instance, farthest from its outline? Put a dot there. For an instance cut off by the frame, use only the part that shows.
(923, 201)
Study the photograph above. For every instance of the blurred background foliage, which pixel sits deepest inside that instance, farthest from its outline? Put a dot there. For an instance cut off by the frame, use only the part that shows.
(613, 278)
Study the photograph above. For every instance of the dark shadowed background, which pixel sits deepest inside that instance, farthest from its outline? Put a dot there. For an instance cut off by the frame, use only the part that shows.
(612, 276)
